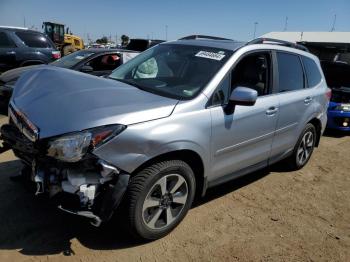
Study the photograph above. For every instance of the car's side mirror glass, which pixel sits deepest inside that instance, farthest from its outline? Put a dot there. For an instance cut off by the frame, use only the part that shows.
(242, 96)
(86, 69)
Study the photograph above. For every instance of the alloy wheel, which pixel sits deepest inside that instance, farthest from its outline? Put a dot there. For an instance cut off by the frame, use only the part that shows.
(165, 201)
(305, 148)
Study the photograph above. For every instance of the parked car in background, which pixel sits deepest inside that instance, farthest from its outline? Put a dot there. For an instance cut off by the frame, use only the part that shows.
(338, 79)
(99, 62)
(177, 119)
(142, 44)
(23, 47)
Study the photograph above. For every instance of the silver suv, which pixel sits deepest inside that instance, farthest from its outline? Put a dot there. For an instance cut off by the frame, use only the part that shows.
(179, 118)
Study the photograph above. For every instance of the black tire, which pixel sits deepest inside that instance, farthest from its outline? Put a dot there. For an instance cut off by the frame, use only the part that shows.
(294, 160)
(140, 188)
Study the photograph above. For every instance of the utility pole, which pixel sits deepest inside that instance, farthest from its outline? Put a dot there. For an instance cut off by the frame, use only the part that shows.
(255, 26)
(116, 39)
(166, 32)
(333, 24)
(285, 24)
(24, 21)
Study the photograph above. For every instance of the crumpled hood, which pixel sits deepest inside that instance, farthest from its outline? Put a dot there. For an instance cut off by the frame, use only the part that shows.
(60, 101)
(13, 74)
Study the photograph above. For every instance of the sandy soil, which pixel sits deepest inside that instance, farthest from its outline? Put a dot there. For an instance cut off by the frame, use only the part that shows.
(271, 215)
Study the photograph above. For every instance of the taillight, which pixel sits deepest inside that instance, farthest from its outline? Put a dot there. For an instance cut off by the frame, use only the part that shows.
(56, 54)
(329, 94)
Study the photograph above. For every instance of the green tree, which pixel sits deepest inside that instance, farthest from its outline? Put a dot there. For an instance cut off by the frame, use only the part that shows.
(103, 40)
(125, 40)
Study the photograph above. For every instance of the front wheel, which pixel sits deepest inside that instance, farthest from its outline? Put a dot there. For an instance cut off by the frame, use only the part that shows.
(304, 147)
(159, 198)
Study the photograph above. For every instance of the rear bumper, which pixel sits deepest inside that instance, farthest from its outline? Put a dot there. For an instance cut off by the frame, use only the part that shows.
(336, 120)
(91, 188)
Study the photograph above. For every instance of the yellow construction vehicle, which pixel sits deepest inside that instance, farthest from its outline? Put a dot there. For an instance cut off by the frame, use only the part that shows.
(65, 41)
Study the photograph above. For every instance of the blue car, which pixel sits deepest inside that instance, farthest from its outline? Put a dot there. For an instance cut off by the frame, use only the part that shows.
(338, 79)
(339, 109)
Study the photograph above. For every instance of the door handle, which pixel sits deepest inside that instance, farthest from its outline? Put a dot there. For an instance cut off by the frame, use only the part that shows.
(10, 52)
(271, 111)
(308, 100)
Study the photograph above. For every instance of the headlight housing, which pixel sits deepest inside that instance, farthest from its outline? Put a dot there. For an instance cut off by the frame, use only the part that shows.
(73, 147)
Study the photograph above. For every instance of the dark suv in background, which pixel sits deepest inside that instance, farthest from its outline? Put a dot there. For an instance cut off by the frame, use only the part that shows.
(141, 45)
(23, 47)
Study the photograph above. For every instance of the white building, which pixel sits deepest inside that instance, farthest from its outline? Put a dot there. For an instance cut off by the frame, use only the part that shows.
(324, 44)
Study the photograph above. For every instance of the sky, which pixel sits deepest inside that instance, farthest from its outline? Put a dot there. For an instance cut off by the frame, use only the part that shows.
(157, 19)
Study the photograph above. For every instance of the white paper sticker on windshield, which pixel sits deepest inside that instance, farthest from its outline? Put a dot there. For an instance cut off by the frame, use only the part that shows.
(79, 57)
(210, 55)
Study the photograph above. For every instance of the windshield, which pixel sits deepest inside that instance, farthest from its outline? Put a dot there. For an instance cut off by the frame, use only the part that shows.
(71, 60)
(173, 70)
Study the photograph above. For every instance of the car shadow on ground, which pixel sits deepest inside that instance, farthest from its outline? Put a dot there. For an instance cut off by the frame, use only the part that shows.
(235, 184)
(335, 133)
(33, 226)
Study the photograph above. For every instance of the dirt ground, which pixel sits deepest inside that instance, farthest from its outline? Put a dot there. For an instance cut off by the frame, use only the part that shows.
(271, 215)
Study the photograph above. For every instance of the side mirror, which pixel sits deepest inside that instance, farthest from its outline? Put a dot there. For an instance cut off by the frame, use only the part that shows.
(242, 96)
(86, 69)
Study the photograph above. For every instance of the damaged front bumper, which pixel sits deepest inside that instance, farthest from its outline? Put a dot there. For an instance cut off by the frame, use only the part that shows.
(91, 188)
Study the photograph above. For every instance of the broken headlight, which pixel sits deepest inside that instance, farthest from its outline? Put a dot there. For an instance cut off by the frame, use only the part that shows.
(72, 147)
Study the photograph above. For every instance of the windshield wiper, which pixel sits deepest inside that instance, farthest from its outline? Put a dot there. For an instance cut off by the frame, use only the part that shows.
(129, 82)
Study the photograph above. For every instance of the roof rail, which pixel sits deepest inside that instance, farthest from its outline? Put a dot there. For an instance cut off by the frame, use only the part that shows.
(195, 37)
(277, 42)
(13, 27)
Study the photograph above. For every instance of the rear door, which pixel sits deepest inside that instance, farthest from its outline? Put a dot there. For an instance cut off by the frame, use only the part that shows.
(296, 103)
(7, 52)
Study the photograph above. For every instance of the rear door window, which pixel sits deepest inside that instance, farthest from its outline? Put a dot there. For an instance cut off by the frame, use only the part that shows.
(34, 40)
(312, 72)
(5, 41)
(290, 72)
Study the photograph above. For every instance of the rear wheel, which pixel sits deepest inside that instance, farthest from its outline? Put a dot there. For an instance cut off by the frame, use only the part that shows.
(304, 147)
(159, 198)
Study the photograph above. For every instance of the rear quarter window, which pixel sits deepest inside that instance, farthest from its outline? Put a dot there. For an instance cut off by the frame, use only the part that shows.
(34, 40)
(312, 72)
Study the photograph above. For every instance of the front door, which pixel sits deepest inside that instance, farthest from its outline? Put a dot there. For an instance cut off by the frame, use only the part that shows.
(243, 139)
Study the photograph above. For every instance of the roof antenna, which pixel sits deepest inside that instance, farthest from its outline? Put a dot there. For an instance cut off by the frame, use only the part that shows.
(333, 25)
(285, 24)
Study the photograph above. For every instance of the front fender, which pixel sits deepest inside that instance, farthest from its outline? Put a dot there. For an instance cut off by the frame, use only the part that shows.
(142, 142)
